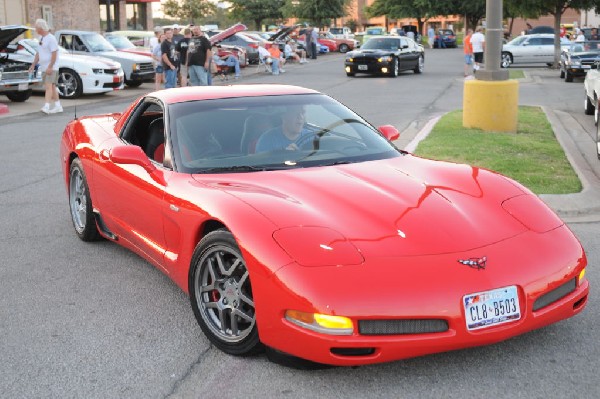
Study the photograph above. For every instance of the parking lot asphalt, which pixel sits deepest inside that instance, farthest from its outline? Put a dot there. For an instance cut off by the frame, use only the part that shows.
(577, 207)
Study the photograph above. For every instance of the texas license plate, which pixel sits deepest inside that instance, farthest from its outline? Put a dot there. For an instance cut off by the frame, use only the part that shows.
(363, 67)
(490, 308)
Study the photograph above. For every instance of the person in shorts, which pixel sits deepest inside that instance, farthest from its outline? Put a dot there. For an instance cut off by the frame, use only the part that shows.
(478, 44)
(47, 56)
(159, 76)
(468, 49)
(182, 48)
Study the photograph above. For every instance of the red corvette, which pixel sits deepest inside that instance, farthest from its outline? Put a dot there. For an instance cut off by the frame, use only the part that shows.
(295, 225)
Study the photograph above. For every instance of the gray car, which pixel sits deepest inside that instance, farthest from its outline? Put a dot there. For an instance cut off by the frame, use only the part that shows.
(531, 49)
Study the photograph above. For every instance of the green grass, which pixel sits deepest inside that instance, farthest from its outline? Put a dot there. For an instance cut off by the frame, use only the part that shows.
(532, 156)
(516, 74)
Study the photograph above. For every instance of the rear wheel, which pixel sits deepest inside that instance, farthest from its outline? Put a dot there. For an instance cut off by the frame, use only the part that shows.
(221, 295)
(588, 107)
(343, 48)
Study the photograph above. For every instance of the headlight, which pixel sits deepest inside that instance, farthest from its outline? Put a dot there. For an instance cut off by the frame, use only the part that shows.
(317, 246)
(575, 62)
(350, 59)
(97, 71)
(135, 67)
(387, 58)
(322, 323)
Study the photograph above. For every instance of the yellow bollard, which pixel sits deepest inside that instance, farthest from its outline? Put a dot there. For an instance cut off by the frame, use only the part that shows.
(491, 105)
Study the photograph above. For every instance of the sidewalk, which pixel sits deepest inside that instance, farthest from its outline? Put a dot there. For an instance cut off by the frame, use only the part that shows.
(580, 207)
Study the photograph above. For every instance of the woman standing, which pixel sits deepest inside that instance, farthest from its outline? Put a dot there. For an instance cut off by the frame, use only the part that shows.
(158, 67)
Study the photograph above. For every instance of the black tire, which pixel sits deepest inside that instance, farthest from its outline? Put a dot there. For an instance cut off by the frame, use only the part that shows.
(562, 73)
(343, 48)
(133, 83)
(588, 106)
(18, 96)
(221, 296)
(394, 70)
(80, 204)
(69, 84)
(420, 65)
(350, 74)
(568, 77)
(506, 60)
(293, 362)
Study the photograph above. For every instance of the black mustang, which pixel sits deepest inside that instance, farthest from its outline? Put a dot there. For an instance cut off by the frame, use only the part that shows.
(386, 55)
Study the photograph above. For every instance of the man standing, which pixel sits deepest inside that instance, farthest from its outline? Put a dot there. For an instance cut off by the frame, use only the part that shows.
(430, 36)
(468, 48)
(478, 43)
(314, 41)
(169, 59)
(182, 49)
(198, 58)
(308, 41)
(47, 56)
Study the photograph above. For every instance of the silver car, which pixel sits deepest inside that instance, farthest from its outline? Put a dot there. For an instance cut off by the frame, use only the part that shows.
(531, 49)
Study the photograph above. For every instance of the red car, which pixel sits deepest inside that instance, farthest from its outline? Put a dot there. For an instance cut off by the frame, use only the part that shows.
(225, 50)
(294, 224)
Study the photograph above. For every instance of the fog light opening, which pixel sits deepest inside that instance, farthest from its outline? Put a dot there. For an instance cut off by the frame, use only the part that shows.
(384, 70)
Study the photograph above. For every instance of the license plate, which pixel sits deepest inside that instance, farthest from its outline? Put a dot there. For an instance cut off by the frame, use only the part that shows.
(23, 86)
(586, 66)
(490, 308)
(363, 67)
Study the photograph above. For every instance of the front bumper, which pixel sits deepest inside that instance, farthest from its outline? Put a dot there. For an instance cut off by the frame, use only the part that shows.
(420, 288)
(142, 76)
(370, 67)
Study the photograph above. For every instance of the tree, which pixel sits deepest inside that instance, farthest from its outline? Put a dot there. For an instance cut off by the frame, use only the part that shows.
(320, 12)
(257, 11)
(188, 10)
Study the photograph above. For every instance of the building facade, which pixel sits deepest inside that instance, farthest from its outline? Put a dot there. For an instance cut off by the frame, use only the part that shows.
(94, 15)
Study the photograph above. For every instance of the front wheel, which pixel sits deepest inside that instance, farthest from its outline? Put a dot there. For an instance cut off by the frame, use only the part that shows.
(420, 65)
(588, 107)
(568, 77)
(133, 83)
(506, 60)
(394, 69)
(18, 96)
(221, 295)
(343, 48)
(562, 73)
(80, 204)
(69, 84)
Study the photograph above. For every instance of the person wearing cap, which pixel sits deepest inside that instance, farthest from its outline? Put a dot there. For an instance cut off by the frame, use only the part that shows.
(198, 58)
(177, 36)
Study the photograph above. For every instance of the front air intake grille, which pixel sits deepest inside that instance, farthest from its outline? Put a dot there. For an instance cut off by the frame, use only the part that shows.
(402, 326)
(555, 294)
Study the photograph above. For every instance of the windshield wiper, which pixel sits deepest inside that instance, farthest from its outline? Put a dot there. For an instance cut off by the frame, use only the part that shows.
(236, 168)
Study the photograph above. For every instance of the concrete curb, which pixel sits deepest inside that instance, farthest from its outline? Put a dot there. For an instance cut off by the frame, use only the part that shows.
(582, 207)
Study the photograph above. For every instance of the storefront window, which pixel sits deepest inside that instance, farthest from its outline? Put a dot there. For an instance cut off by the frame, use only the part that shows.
(113, 15)
(136, 16)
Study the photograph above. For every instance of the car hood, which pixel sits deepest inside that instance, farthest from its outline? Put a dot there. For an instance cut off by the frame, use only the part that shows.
(123, 55)
(369, 53)
(232, 30)
(281, 33)
(406, 206)
(9, 33)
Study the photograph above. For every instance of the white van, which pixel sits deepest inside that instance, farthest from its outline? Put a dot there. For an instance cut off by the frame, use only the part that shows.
(341, 33)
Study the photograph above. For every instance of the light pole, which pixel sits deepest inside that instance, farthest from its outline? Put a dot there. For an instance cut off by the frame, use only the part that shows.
(491, 100)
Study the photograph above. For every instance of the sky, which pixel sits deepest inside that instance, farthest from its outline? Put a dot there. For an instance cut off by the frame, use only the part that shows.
(156, 7)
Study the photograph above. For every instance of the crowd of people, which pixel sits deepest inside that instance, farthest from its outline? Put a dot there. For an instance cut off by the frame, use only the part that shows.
(186, 57)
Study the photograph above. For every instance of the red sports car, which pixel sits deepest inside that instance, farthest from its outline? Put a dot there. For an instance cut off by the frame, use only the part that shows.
(293, 224)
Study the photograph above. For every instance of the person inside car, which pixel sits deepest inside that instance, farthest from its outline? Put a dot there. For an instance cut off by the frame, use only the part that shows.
(289, 135)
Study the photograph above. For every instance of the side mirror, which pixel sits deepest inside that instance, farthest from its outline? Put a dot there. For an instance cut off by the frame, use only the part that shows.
(131, 155)
(389, 132)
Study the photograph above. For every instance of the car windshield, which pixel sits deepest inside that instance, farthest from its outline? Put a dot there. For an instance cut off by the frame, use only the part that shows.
(388, 43)
(375, 31)
(96, 42)
(250, 134)
(120, 42)
(592, 46)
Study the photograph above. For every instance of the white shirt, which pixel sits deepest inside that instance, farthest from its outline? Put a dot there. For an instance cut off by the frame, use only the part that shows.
(263, 52)
(48, 45)
(477, 40)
